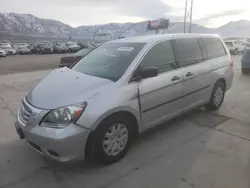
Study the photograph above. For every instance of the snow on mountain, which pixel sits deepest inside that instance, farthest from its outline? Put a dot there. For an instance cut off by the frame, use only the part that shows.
(239, 28)
(29, 24)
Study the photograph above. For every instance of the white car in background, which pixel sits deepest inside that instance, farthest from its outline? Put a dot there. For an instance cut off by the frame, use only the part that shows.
(9, 50)
(5, 45)
(2, 53)
(235, 46)
(73, 47)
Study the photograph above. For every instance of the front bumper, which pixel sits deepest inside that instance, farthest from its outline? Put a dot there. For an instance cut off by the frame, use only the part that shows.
(63, 145)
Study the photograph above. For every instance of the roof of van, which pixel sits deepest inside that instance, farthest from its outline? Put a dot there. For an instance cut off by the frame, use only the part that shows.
(155, 38)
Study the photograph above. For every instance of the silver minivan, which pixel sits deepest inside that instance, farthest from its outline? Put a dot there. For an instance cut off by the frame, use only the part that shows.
(121, 89)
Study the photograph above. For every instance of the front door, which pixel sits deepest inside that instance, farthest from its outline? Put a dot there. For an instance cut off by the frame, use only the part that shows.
(160, 97)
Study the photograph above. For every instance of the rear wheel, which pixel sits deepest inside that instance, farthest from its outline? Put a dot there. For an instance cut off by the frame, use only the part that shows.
(112, 139)
(217, 96)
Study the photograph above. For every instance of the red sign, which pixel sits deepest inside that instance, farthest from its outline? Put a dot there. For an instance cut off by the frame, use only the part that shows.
(158, 24)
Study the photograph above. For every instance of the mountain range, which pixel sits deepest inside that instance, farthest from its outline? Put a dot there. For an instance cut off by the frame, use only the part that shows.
(31, 25)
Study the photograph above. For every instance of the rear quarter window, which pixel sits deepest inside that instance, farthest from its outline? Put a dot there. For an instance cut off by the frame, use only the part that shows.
(214, 47)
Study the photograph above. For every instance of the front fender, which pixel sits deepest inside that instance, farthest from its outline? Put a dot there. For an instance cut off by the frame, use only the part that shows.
(132, 111)
(103, 104)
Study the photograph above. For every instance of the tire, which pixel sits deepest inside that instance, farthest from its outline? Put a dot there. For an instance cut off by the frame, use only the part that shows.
(102, 152)
(217, 96)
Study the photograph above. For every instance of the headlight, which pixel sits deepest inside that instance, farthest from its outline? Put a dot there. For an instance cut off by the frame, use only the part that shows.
(64, 116)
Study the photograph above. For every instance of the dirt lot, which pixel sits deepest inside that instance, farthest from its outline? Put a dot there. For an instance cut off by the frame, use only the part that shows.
(28, 63)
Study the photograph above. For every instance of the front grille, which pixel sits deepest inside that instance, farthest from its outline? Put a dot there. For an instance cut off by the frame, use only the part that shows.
(25, 113)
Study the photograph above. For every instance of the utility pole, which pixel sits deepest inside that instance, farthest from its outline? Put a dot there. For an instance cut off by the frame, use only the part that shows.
(188, 16)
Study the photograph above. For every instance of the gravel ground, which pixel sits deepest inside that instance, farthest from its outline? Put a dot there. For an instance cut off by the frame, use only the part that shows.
(28, 63)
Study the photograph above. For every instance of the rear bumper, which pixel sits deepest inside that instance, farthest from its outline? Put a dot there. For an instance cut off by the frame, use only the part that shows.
(229, 75)
(245, 65)
(63, 145)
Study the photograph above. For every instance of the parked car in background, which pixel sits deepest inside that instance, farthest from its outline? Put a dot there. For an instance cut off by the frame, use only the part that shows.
(245, 62)
(5, 45)
(82, 45)
(59, 48)
(247, 45)
(121, 89)
(2, 53)
(21, 45)
(235, 46)
(23, 50)
(73, 47)
(69, 60)
(43, 49)
(9, 50)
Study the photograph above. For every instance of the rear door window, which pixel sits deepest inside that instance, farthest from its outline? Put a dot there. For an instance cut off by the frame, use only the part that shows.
(187, 51)
(213, 47)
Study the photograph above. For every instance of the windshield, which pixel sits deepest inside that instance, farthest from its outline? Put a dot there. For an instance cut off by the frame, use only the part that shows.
(109, 61)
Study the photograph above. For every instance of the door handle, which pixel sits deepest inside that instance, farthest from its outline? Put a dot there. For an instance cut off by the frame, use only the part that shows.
(189, 74)
(175, 78)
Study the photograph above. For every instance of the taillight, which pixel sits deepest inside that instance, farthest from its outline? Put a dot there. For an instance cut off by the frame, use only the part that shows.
(74, 60)
(231, 63)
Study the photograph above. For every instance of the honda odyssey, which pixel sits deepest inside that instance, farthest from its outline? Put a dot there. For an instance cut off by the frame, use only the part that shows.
(121, 89)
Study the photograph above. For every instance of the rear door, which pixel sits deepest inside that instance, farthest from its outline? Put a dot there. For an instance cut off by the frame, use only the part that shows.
(196, 71)
(160, 97)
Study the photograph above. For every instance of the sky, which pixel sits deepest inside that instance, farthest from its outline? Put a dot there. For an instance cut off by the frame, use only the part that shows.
(209, 13)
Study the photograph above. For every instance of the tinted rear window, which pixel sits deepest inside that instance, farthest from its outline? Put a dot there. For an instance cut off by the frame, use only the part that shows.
(213, 47)
(187, 51)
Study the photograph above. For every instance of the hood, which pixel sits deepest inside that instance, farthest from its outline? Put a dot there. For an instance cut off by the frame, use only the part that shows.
(64, 87)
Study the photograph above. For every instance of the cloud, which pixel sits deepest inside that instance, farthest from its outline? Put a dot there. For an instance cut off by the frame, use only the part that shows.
(86, 12)
(208, 19)
(224, 14)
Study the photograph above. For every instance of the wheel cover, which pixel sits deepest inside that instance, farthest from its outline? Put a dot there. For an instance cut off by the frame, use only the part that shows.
(218, 95)
(115, 139)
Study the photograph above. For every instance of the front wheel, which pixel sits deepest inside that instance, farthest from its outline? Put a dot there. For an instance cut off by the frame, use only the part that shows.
(217, 96)
(112, 139)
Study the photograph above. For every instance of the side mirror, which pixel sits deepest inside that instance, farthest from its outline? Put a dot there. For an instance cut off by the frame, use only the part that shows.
(148, 72)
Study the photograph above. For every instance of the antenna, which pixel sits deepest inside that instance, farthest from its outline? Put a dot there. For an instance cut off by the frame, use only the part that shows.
(188, 16)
